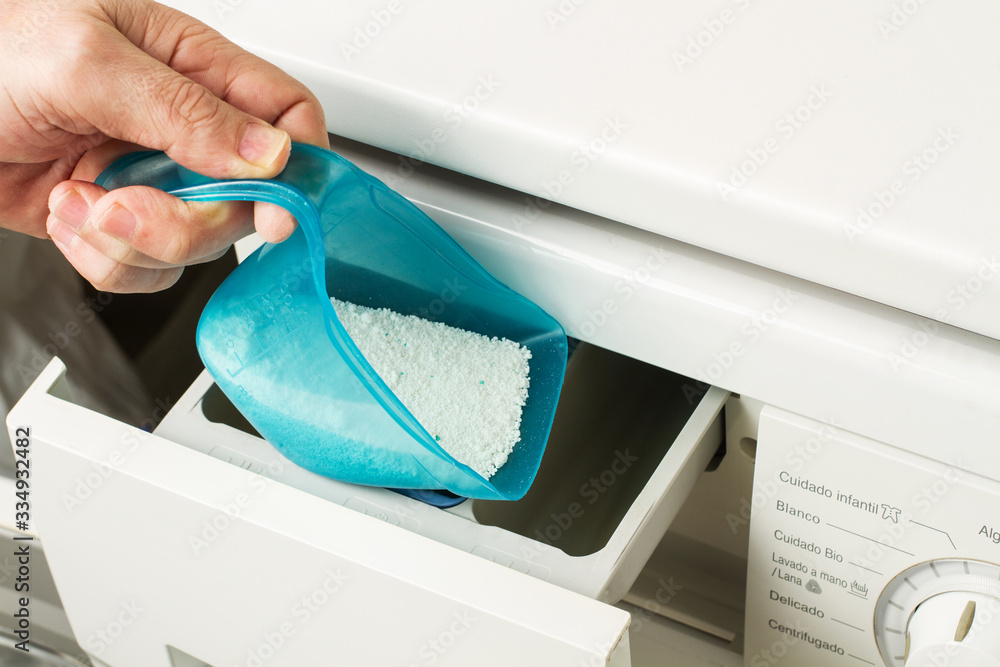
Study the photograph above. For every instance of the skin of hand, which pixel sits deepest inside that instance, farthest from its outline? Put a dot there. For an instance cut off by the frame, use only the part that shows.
(83, 82)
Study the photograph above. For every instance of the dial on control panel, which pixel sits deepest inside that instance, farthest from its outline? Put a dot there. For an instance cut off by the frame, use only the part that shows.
(941, 612)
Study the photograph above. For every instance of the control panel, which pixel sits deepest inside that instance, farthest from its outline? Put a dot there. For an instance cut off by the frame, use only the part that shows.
(864, 554)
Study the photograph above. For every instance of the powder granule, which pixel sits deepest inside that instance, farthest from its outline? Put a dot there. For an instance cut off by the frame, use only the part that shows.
(467, 390)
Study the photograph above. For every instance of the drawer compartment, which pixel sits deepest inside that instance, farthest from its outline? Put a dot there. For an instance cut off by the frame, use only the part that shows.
(628, 443)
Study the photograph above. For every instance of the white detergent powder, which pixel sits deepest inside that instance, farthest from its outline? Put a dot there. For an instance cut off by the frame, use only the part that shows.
(466, 389)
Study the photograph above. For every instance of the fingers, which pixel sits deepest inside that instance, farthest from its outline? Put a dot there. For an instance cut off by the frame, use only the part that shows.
(24, 189)
(236, 76)
(190, 92)
(148, 103)
(240, 81)
(245, 81)
(138, 239)
(213, 107)
(96, 160)
(146, 228)
(273, 223)
(72, 208)
(156, 225)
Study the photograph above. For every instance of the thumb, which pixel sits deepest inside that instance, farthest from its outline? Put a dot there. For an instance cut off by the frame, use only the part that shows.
(157, 107)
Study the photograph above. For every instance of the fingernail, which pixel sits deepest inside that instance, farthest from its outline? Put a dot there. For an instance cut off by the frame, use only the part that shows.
(62, 233)
(262, 144)
(118, 221)
(72, 209)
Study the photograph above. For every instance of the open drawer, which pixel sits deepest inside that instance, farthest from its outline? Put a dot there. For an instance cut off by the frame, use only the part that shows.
(220, 549)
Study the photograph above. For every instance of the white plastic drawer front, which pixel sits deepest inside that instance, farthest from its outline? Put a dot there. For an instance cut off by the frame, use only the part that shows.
(153, 545)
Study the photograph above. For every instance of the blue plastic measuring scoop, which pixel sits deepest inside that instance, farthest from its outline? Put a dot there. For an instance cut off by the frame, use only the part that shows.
(271, 338)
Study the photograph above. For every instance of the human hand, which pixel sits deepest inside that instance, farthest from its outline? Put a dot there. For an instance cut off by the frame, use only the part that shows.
(76, 75)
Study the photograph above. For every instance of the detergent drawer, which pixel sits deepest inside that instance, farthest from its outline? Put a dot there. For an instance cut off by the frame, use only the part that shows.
(188, 555)
(628, 443)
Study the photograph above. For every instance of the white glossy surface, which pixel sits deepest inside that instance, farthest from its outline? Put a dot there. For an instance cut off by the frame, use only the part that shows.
(836, 103)
(152, 544)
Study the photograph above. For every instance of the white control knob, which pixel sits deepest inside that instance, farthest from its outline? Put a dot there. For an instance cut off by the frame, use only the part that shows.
(941, 613)
(955, 629)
